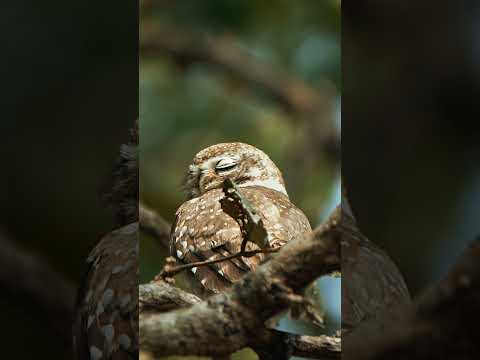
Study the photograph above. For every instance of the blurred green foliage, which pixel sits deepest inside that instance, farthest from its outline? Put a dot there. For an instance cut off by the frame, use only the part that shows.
(184, 109)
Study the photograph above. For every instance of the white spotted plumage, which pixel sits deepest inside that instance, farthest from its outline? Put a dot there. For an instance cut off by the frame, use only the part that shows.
(105, 307)
(210, 233)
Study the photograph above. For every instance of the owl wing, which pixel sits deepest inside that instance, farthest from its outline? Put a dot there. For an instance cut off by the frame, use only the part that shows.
(282, 219)
(202, 231)
(106, 318)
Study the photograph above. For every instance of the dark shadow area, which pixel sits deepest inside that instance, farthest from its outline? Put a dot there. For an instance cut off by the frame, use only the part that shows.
(410, 129)
(69, 94)
(410, 152)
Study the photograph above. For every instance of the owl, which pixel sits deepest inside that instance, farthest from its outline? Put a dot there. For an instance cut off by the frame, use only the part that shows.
(105, 323)
(106, 319)
(371, 282)
(203, 231)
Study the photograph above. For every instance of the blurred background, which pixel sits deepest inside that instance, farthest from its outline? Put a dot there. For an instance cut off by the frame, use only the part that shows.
(410, 121)
(68, 96)
(219, 71)
(216, 71)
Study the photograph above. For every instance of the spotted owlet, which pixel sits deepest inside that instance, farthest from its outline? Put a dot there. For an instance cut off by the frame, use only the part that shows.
(106, 315)
(203, 231)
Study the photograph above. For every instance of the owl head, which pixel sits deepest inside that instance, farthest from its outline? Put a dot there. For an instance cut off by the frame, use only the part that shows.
(243, 163)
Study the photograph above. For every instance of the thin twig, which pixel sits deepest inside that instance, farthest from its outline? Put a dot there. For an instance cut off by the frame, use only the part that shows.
(168, 271)
(228, 321)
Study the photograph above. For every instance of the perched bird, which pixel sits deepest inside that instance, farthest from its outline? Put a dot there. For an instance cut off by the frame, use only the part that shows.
(371, 282)
(202, 230)
(106, 314)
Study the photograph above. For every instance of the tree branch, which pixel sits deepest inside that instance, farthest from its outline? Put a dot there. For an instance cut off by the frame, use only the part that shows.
(169, 271)
(187, 48)
(162, 297)
(28, 280)
(316, 347)
(298, 98)
(227, 322)
(443, 323)
(154, 225)
(275, 344)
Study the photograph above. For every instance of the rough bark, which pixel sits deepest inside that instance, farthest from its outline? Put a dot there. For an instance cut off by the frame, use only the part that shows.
(271, 344)
(227, 322)
(441, 323)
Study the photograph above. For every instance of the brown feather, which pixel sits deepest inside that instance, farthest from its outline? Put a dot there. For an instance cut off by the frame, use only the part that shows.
(203, 231)
(106, 320)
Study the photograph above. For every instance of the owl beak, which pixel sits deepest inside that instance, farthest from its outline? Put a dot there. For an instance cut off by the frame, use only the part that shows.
(210, 173)
(208, 180)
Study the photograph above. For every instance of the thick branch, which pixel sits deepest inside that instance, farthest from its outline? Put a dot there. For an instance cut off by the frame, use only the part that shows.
(161, 297)
(154, 225)
(316, 347)
(226, 322)
(275, 345)
(29, 281)
(443, 323)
